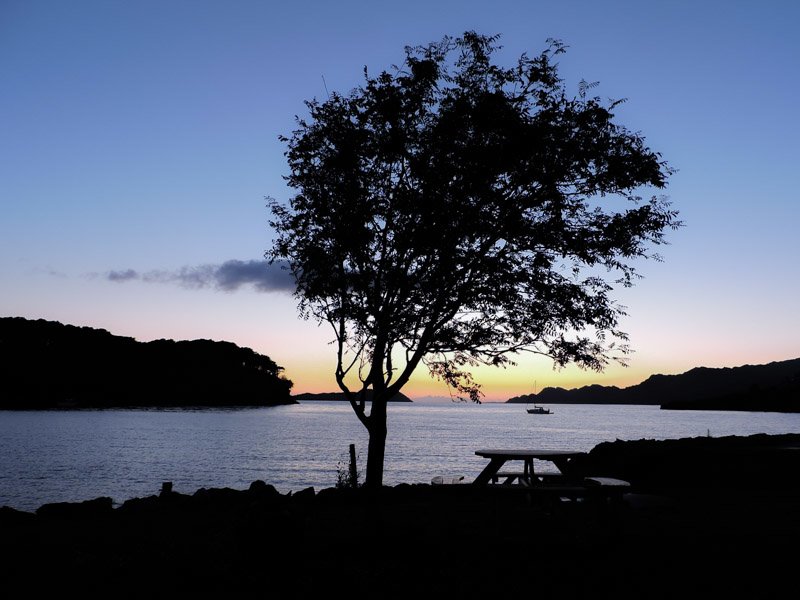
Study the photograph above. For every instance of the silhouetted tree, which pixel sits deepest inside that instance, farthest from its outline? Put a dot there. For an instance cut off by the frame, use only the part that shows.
(453, 212)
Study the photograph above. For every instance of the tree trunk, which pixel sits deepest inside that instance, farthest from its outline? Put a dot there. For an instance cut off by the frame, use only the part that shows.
(377, 444)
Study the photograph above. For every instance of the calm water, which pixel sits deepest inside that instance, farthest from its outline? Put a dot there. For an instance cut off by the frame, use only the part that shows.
(57, 456)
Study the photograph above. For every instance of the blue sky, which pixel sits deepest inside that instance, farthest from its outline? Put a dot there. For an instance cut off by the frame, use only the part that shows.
(139, 140)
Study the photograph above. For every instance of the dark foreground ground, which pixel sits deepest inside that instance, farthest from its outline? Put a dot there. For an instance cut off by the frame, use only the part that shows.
(726, 524)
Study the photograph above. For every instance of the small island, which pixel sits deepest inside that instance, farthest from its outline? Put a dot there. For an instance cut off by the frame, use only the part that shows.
(340, 397)
(47, 364)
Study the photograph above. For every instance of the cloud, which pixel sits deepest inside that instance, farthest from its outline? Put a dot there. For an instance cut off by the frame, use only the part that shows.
(265, 277)
(228, 276)
(122, 275)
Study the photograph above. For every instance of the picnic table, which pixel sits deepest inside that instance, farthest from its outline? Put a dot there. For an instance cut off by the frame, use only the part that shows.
(561, 484)
(528, 476)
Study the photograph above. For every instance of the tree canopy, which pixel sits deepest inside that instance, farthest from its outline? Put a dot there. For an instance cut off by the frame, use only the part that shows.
(454, 212)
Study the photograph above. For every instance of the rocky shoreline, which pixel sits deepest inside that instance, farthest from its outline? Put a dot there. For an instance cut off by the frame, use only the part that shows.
(727, 525)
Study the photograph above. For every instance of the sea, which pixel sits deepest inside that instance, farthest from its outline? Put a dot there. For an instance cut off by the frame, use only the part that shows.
(75, 455)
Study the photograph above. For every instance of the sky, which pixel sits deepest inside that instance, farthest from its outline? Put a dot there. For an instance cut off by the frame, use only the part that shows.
(139, 140)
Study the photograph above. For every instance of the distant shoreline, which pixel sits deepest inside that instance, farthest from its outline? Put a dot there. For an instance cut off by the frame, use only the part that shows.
(771, 387)
(340, 397)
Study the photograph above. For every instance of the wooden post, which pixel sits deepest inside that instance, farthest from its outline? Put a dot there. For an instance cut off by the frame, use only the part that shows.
(353, 469)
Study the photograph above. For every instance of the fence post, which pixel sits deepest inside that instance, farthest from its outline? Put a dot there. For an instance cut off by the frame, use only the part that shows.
(353, 469)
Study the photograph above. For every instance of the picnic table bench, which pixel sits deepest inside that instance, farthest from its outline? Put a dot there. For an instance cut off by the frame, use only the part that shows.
(561, 483)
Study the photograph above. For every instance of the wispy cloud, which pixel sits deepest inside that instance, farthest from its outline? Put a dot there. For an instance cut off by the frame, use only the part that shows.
(122, 275)
(228, 276)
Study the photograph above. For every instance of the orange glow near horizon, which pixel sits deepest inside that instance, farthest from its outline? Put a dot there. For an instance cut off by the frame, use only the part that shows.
(498, 385)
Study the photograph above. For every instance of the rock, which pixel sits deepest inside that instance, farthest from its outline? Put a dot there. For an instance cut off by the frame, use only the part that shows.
(99, 507)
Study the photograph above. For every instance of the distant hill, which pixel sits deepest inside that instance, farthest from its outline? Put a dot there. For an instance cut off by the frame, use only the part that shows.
(770, 387)
(339, 396)
(46, 364)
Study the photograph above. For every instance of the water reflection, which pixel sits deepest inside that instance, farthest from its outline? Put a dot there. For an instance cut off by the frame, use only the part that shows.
(56, 456)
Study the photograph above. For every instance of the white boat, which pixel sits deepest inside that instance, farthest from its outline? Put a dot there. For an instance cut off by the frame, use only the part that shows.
(537, 410)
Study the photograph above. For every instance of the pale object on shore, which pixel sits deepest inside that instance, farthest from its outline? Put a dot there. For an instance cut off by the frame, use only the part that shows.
(439, 480)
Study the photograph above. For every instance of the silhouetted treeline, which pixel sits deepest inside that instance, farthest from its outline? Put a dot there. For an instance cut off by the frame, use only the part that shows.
(46, 364)
(771, 387)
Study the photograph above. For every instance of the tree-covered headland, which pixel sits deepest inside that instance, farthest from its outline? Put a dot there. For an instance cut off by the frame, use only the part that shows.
(47, 364)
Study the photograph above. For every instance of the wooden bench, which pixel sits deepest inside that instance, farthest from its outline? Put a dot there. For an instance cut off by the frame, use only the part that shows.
(607, 482)
(597, 489)
(554, 484)
(607, 489)
(599, 492)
